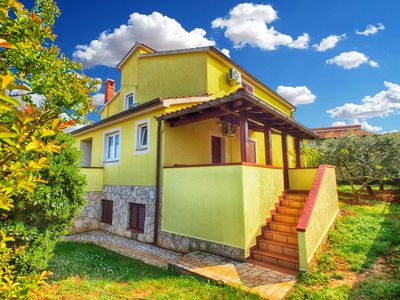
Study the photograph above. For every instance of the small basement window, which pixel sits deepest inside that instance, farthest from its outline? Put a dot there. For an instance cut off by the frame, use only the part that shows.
(137, 216)
(106, 211)
(142, 139)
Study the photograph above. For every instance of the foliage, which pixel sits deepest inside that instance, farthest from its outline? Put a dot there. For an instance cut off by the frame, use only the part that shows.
(309, 154)
(361, 160)
(51, 207)
(86, 271)
(362, 234)
(31, 68)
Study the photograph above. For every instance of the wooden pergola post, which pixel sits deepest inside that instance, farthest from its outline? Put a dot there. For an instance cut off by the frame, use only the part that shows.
(268, 145)
(285, 160)
(244, 135)
(297, 142)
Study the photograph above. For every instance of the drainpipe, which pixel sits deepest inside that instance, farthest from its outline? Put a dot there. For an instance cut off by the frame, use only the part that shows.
(158, 188)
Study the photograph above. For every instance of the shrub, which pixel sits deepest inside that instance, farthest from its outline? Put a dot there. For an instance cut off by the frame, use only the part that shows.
(41, 218)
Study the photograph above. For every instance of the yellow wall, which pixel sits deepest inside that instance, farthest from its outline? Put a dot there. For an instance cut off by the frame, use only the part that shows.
(191, 144)
(172, 76)
(132, 169)
(94, 179)
(302, 179)
(204, 203)
(222, 204)
(217, 85)
(323, 215)
(261, 188)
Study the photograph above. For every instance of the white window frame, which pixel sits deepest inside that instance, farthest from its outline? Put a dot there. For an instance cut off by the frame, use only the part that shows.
(126, 99)
(138, 149)
(114, 132)
(250, 85)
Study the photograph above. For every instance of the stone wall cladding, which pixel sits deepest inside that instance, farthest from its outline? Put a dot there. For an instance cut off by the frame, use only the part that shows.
(90, 214)
(122, 195)
(187, 244)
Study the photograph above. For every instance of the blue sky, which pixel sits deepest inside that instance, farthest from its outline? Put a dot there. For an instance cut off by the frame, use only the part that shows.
(263, 37)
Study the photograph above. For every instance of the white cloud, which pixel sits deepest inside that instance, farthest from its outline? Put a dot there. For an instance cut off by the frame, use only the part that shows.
(329, 42)
(364, 125)
(98, 99)
(296, 94)
(371, 29)
(339, 123)
(37, 99)
(381, 104)
(226, 52)
(373, 64)
(155, 30)
(351, 60)
(368, 127)
(247, 23)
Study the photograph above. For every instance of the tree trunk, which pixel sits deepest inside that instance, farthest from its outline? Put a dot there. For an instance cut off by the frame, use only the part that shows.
(370, 190)
(381, 186)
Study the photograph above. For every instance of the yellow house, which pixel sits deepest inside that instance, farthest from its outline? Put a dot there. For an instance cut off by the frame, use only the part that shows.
(195, 153)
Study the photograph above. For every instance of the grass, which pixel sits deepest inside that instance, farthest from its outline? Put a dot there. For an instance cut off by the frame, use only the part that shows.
(86, 271)
(365, 232)
(347, 189)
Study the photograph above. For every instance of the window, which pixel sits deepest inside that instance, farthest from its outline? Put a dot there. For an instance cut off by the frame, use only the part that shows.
(142, 139)
(137, 216)
(106, 211)
(129, 100)
(112, 146)
(248, 87)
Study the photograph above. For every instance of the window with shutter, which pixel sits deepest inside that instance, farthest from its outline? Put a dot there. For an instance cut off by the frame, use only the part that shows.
(137, 216)
(106, 211)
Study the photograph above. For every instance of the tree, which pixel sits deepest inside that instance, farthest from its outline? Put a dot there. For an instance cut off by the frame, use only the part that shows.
(32, 68)
(360, 160)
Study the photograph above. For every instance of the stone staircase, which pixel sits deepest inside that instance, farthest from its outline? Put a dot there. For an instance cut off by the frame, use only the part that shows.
(277, 246)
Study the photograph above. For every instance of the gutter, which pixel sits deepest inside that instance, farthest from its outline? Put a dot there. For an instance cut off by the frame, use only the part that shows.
(158, 186)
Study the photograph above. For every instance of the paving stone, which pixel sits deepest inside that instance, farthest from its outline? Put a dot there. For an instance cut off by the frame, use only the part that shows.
(267, 283)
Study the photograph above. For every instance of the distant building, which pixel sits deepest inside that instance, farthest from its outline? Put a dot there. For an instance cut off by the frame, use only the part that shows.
(337, 131)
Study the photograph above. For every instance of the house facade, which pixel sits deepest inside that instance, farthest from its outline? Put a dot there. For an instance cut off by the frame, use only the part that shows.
(195, 153)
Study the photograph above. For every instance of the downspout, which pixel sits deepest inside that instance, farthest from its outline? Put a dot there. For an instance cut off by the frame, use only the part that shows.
(158, 188)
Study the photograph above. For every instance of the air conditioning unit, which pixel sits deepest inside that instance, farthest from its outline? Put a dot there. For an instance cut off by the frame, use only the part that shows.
(228, 129)
(234, 77)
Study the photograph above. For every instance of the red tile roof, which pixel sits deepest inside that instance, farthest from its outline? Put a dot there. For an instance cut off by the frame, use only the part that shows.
(337, 131)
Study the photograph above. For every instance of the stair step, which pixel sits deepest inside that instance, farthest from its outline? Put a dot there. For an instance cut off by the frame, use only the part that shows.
(282, 227)
(289, 210)
(284, 237)
(273, 267)
(278, 247)
(286, 218)
(297, 197)
(292, 203)
(297, 192)
(275, 258)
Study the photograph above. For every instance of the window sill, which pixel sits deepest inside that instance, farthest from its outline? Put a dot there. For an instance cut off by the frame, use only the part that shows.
(135, 230)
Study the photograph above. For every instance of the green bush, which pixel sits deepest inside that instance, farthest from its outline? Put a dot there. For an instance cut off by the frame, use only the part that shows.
(40, 219)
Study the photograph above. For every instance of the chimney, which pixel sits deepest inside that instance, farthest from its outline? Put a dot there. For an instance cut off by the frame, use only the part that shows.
(110, 90)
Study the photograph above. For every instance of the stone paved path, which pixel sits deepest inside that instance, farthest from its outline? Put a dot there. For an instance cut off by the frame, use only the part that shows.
(267, 283)
(264, 282)
(147, 253)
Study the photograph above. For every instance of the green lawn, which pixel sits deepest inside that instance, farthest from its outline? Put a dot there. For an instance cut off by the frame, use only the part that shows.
(86, 271)
(363, 233)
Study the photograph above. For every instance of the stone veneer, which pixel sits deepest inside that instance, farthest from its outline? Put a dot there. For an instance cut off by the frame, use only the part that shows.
(121, 195)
